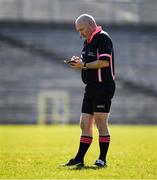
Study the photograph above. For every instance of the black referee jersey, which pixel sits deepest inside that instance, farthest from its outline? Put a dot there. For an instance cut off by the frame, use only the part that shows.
(99, 47)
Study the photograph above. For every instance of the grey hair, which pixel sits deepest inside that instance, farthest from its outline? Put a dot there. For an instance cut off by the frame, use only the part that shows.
(86, 19)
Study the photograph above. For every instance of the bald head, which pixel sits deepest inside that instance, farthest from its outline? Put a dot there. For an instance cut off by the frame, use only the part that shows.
(86, 19)
(85, 25)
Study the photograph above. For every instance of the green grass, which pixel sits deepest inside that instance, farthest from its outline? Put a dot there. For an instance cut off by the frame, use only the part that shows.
(28, 152)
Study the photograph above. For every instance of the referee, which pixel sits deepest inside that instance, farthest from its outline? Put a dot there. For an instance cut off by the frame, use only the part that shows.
(97, 66)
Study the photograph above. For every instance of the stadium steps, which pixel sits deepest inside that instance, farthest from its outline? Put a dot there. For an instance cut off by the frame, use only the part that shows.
(26, 71)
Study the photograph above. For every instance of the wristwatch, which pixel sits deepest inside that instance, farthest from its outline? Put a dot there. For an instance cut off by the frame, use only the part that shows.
(84, 66)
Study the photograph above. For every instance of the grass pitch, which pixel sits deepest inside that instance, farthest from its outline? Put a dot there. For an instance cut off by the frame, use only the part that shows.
(29, 152)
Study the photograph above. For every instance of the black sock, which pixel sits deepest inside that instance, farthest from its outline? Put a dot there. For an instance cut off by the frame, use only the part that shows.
(85, 142)
(104, 142)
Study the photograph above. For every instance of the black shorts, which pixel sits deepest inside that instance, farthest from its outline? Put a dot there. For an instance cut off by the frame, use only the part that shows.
(97, 98)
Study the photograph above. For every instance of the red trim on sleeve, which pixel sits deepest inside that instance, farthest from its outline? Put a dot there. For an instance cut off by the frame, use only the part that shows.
(105, 55)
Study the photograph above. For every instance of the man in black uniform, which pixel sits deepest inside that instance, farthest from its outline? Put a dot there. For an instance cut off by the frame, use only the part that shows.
(97, 66)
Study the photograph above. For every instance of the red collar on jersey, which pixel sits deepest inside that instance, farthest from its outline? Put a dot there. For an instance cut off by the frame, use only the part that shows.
(98, 29)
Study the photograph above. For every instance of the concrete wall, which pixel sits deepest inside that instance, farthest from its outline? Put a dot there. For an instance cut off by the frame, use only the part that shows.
(107, 11)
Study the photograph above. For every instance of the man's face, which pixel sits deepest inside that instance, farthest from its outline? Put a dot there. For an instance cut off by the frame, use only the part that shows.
(84, 30)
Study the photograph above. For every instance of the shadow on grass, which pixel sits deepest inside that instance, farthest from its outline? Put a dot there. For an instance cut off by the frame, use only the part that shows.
(75, 168)
(88, 168)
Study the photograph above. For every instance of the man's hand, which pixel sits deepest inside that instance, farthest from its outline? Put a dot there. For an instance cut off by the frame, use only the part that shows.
(76, 63)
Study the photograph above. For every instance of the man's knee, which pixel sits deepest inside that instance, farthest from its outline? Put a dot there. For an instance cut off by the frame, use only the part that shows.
(86, 121)
(101, 120)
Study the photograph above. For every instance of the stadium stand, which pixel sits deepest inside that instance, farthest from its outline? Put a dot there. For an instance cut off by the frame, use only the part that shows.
(108, 11)
(36, 36)
(32, 62)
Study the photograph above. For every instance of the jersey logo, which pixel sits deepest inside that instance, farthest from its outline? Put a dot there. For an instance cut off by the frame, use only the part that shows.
(91, 54)
(100, 106)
